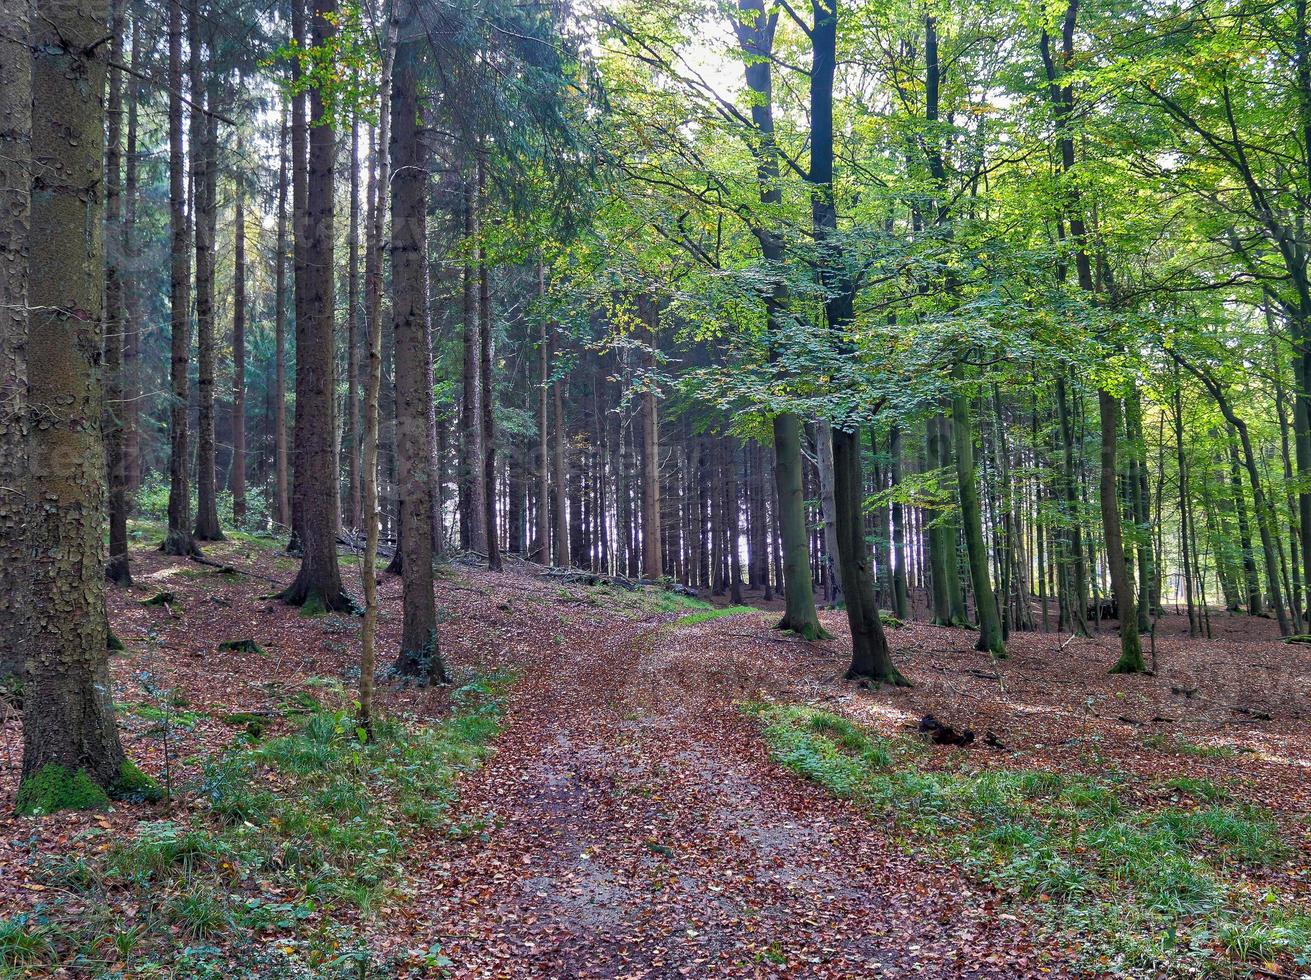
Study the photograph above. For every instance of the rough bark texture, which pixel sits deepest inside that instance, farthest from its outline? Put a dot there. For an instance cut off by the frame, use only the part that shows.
(652, 564)
(178, 540)
(300, 275)
(318, 584)
(71, 750)
(15, 212)
(474, 514)
(542, 552)
(281, 502)
(117, 567)
(237, 473)
(204, 218)
(1131, 651)
(353, 337)
(419, 656)
(487, 403)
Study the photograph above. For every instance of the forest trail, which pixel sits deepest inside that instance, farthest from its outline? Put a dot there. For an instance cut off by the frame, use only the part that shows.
(636, 828)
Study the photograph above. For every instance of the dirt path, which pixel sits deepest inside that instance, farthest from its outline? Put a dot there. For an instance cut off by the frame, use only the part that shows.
(636, 828)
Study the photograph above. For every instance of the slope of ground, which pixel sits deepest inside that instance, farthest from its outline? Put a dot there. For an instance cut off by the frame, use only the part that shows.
(631, 822)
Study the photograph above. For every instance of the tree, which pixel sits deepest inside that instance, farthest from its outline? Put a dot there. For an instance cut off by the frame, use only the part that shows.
(870, 657)
(15, 223)
(179, 539)
(118, 568)
(72, 756)
(318, 583)
(419, 654)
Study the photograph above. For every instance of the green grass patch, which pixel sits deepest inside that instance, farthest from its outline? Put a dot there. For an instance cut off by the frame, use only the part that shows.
(1144, 890)
(1194, 750)
(714, 612)
(303, 835)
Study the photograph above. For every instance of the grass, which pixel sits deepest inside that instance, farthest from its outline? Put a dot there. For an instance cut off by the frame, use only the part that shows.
(1181, 746)
(1142, 890)
(302, 836)
(714, 612)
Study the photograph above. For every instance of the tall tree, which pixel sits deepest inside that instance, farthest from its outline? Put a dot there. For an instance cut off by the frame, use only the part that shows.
(870, 656)
(179, 539)
(118, 568)
(318, 583)
(419, 655)
(72, 756)
(15, 224)
(204, 217)
(237, 473)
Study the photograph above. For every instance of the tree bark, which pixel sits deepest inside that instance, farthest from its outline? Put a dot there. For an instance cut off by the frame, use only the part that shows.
(71, 750)
(318, 584)
(419, 654)
(543, 549)
(179, 540)
(1131, 652)
(985, 602)
(870, 657)
(474, 515)
(203, 210)
(281, 502)
(117, 568)
(486, 387)
(652, 563)
(353, 502)
(237, 473)
(15, 226)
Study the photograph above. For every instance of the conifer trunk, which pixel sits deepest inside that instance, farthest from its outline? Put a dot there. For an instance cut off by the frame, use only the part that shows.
(117, 568)
(179, 540)
(237, 473)
(15, 226)
(318, 584)
(71, 751)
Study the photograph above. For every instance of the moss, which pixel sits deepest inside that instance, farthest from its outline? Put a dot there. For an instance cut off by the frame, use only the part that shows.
(159, 599)
(52, 788)
(241, 646)
(313, 605)
(134, 786)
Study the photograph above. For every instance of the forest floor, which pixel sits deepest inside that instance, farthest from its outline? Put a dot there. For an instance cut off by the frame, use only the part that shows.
(671, 792)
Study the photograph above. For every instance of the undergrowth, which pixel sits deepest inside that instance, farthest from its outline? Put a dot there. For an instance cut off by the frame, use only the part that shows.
(297, 839)
(705, 615)
(1147, 892)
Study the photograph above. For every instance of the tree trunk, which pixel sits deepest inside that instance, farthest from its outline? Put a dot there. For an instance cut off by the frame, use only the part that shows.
(486, 388)
(828, 507)
(652, 565)
(560, 536)
(281, 502)
(474, 515)
(179, 540)
(985, 603)
(1131, 653)
(130, 412)
(419, 653)
(870, 657)
(117, 568)
(300, 275)
(71, 752)
(543, 550)
(237, 474)
(900, 592)
(318, 584)
(15, 226)
(353, 502)
(203, 207)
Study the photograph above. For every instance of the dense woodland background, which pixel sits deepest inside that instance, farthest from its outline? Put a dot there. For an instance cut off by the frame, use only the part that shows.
(991, 314)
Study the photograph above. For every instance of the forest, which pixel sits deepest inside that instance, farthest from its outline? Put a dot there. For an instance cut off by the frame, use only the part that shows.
(615, 489)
